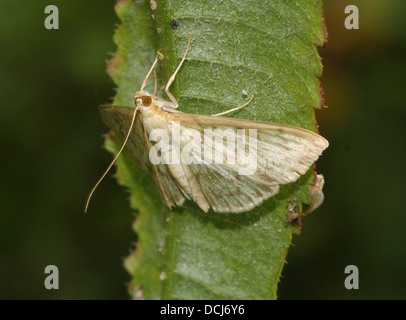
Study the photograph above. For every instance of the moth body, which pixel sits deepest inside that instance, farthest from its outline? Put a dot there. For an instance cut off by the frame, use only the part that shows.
(283, 154)
(226, 164)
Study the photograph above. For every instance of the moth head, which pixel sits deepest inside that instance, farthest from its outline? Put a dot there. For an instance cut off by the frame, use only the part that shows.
(142, 98)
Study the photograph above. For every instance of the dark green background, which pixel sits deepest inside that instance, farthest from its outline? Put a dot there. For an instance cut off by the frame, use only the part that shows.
(50, 135)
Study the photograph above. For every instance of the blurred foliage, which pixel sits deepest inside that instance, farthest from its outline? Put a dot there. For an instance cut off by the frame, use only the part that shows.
(51, 82)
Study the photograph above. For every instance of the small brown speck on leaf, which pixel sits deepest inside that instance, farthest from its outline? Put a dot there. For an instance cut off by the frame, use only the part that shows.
(174, 24)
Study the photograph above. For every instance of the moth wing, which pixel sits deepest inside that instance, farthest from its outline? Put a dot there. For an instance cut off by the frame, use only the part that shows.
(283, 154)
(118, 119)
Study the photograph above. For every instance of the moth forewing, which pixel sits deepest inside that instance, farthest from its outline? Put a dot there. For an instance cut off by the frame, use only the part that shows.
(283, 154)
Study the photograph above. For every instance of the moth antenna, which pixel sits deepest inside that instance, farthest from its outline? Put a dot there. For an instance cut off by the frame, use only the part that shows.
(114, 160)
(156, 170)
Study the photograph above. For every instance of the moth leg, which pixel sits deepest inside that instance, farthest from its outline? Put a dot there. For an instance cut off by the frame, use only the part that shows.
(172, 78)
(234, 109)
(156, 83)
(149, 73)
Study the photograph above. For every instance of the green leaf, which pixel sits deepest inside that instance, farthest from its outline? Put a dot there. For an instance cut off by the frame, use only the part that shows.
(238, 48)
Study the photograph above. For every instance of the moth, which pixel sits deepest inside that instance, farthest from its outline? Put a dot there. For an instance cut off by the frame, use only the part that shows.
(218, 177)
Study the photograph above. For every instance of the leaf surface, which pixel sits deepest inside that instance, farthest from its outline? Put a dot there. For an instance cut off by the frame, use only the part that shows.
(238, 48)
